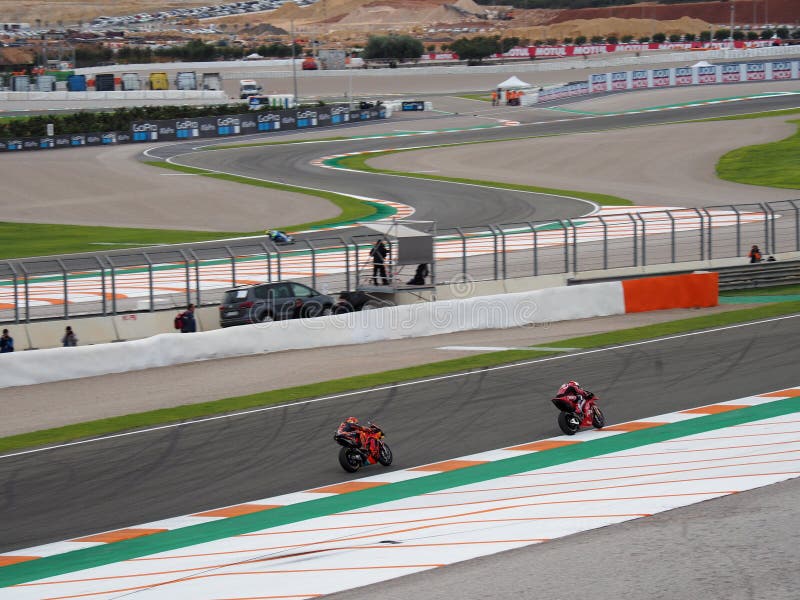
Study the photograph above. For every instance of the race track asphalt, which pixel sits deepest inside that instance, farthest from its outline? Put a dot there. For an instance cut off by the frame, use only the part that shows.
(67, 492)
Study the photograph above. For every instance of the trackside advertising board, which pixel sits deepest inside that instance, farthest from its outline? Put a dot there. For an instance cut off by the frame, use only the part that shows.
(676, 76)
(201, 127)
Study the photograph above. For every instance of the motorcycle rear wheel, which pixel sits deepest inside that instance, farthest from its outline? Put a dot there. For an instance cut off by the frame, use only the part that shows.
(350, 459)
(385, 457)
(569, 423)
(598, 418)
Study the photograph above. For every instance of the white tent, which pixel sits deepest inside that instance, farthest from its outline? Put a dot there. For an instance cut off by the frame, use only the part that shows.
(702, 63)
(254, 56)
(513, 83)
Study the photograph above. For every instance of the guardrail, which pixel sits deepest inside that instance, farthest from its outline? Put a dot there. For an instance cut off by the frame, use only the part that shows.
(759, 275)
(109, 283)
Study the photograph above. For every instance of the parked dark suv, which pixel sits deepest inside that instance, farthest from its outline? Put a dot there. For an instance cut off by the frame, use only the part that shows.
(271, 302)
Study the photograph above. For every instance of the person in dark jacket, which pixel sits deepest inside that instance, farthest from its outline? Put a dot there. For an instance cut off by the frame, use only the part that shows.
(379, 253)
(755, 254)
(189, 322)
(70, 339)
(6, 342)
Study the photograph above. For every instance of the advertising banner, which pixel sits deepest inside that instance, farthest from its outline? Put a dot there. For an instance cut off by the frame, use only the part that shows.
(782, 69)
(756, 71)
(707, 74)
(731, 72)
(599, 82)
(619, 81)
(339, 114)
(638, 80)
(268, 121)
(660, 77)
(307, 118)
(683, 76)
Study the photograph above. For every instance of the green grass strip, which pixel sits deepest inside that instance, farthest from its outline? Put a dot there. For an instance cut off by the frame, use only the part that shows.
(479, 361)
(775, 290)
(776, 164)
(38, 239)
(758, 115)
(359, 163)
(226, 528)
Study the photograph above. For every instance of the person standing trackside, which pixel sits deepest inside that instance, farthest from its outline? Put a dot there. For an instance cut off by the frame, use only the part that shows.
(494, 98)
(6, 342)
(755, 254)
(69, 339)
(189, 323)
(379, 253)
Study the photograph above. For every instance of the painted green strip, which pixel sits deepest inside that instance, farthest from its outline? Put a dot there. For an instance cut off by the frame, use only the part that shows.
(217, 530)
(757, 299)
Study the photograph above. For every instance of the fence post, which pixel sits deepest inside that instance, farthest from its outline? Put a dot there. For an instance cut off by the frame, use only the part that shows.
(796, 225)
(672, 233)
(463, 252)
(233, 265)
(605, 241)
(644, 239)
(149, 279)
(196, 277)
(738, 230)
(710, 236)
(574, 245)
(503, 250)
(772, 220)
(188, 277)
(535, 248)
(702, 234)
(313, 263)
(566, 245)
(65, 286)
(766, 229)
(494, 253)
(16, 291)
(277, 257)
(346, 247)
(102, 283)
(113, 285)
(635, 240)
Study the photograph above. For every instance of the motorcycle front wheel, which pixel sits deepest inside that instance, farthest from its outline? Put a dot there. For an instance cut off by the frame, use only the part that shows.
(598, 418)
(385, 457)
(350, 459)
(569, 423)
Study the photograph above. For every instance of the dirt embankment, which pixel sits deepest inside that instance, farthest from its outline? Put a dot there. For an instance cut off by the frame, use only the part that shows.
(605, 27)
(745, 11)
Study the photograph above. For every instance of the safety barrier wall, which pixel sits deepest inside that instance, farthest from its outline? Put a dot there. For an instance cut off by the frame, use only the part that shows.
(746, 72)
(398, 322)
(127, 95)
(413, 320)
(262, 121)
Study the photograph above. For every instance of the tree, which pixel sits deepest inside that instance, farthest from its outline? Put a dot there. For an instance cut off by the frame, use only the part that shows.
(738, 35)
(752, 36)
(644, 39)
(580, 40)
(627, 39)
(474, 50)
(567, 40)
(690, 37)
(659, 38)
(393, 47)
(722, 34)
(612, 39)
(705, 36)
(782, 32)
(596, 39)
(767, 34)
(551, 41)
(674, 38)
(507, 44)
(431, 48)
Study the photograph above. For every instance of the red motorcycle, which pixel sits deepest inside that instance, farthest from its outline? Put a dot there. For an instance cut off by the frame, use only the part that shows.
(353, 456)
(570, 420)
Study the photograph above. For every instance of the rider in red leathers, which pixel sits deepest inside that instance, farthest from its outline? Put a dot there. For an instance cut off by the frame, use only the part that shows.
(351, 425)
(573, 388)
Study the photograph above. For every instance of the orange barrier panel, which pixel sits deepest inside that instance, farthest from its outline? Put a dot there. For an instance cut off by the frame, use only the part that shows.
(671, 291)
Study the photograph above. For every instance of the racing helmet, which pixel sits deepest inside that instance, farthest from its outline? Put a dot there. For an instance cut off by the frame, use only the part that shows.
(352, 420)
(574, 384)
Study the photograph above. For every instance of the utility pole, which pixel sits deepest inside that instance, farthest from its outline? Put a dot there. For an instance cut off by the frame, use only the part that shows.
(294, 66)
(733, 10)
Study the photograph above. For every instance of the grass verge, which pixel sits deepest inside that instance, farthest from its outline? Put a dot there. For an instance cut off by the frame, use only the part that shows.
(352, 209)
(759, 115)
(359, 163)
(773, 165)
(480, 361)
